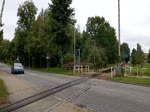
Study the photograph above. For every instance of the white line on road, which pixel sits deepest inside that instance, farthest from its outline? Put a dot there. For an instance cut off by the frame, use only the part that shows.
(57, 98)
(54, 107)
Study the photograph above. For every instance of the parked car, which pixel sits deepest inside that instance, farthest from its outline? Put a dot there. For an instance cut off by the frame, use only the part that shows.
(17, 68)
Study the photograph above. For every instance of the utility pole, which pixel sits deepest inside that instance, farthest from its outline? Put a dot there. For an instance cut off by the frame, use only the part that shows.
(119, 54)
(74, 48)
(119, 28)
(74, 37)
(1, 14)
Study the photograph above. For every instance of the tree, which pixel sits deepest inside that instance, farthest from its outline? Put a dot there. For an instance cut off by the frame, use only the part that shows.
(26, 14)
(148, 57)
(1, 36)
(133, 56)
(139, 55)
(38, 40)
(61, 20)
(5, 51)
(104, 35)
(125, 52)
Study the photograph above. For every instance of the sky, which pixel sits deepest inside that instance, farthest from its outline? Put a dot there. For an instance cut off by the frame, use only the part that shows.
(135, 17)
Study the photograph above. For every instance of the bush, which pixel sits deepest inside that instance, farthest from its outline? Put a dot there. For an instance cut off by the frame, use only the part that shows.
(68, 58)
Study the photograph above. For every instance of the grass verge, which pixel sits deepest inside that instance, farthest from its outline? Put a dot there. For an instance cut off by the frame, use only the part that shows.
(3, 93)
(134, 80)
(144, 70)
(53, 70)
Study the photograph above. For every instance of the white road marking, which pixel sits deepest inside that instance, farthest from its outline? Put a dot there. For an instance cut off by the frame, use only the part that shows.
(57, 98)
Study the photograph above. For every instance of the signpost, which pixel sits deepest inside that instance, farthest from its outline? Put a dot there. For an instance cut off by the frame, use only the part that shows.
(47, 58)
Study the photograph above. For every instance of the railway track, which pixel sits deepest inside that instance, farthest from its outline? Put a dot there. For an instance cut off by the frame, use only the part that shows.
(46, 93)
(43, 94)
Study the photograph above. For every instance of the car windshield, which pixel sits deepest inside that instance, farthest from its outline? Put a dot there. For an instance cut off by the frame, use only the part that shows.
(18, 64)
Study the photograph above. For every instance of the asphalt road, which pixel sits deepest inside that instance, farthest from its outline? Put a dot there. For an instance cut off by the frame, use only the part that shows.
(103, 96)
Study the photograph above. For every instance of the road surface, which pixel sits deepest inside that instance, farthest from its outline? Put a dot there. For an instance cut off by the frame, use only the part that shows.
(102, 96)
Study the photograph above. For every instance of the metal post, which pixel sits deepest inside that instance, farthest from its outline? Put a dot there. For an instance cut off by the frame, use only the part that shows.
(119, 54)
(74, 47)
(137, 72)
(111, 72)
(78, 56)
(47, 63)
(94, 55)
(119, 28)
(1, 13)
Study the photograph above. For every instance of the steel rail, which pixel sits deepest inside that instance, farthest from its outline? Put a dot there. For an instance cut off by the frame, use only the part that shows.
(41, 95)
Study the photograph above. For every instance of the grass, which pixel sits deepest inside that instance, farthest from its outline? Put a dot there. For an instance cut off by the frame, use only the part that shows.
(134, 80)
(53, 70)
(145, 70)
(3, 93)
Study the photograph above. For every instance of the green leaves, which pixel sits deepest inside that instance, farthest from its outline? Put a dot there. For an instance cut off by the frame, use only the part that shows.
(125, 52)
(53, 31)
(148, 57)
(105, 36)
(137, 55)
(26, 14)
(61, 20)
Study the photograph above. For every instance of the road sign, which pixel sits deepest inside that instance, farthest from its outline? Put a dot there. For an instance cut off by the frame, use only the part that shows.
(47, 56)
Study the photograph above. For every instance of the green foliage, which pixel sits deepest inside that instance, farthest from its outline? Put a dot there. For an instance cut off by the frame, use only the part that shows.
(125, 52)
(148, 58)
(133, 56)
(68, 58)
(5, 50)
(3, 91)
(105, 36)
(52, 31)
(26, 14)
(137, 56)
(144, 81)
(1, 36)
(61, 20)
(54, 70)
